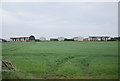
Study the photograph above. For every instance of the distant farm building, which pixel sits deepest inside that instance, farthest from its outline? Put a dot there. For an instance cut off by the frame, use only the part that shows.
(78, 38)
(3, 40)
(99, 38)
(115, 39)
(61, 38)
(53, 39)
(42, 39)
(86, 39)
(31, 38)
(68, 39)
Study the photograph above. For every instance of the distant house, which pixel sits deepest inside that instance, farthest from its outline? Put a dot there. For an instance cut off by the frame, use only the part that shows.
(99, 38)
(42, 39)
(78, 38)
(31, 38)
(53, 39)
(3, 40)
(61, 38)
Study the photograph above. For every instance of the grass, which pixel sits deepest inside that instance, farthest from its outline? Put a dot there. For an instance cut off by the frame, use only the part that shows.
(72, 60)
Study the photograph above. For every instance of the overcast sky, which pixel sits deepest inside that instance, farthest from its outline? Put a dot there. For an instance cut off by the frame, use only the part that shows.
(59, 19)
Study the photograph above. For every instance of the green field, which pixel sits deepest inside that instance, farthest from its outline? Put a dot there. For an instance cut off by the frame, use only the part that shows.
(69, 60)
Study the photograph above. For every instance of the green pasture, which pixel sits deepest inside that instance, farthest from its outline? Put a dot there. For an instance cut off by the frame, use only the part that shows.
(63, 60)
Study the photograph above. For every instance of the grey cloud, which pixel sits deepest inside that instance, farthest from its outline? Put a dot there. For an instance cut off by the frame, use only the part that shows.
(60, 19)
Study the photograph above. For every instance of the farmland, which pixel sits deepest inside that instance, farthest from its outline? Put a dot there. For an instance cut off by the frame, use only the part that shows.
(64, 60)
